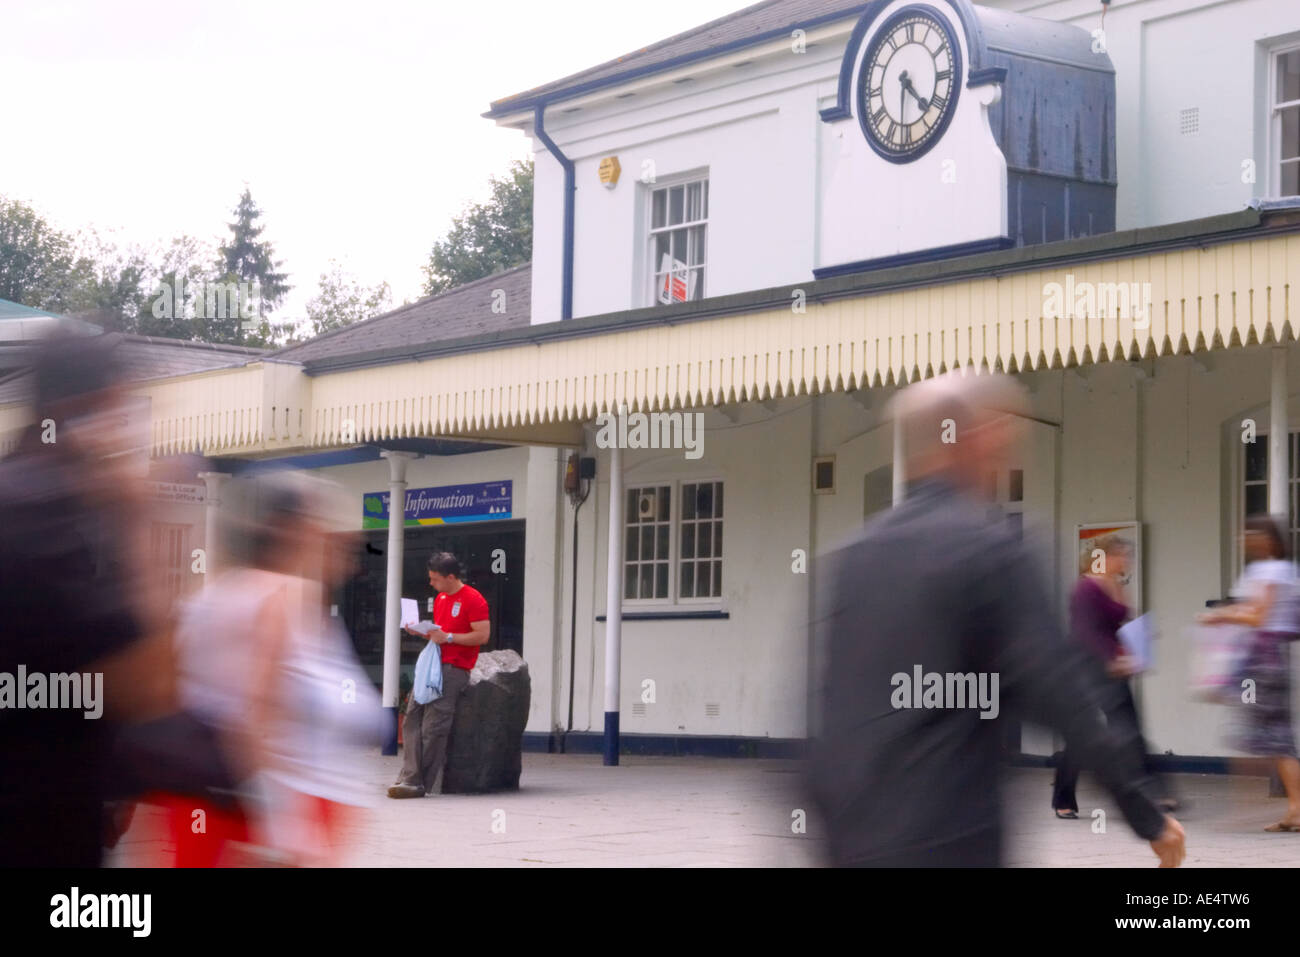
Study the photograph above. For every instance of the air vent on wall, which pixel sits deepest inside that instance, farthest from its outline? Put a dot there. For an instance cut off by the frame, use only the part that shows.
(638, 709)
(712, 710)
(1189, 121)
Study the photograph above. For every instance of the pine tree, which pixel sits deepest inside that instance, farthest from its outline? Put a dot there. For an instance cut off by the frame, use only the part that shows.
(245, 259)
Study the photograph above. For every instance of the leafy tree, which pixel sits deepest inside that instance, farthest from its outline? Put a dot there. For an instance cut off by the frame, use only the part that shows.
(109, 285)
(179, 275)
(340, 301)
(487, 237)
(37, 261)
(247, 259)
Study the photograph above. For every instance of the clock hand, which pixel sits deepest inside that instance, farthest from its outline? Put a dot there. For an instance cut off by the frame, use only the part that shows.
(907, 87)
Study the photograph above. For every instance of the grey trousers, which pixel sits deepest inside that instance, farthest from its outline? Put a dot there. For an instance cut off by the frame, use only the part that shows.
(425, 730)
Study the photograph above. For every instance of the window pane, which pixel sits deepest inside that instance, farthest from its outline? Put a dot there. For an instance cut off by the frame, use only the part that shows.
(676, 201)
(717, 539)
(661, 580)
(662, 243)
(688, 541)
(1288, 77)
(661, 545)
(1256, 499)
(703, 582)
(1016, 493)
(694, 206)
(704, 540)
(717, 579)
(706, 199)
(688, 580)
(1290, 133)
(630, 550)
(664, 499)
(1257, 459)
(1291, 179)
(717, 500)
(696, 246)
(647, 581)
(679, 244)
(647, 545)
(688, 500)
(704, 501)
(659, 216)
(629, 582)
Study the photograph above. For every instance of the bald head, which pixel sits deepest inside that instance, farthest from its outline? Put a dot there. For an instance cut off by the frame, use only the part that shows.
(958, 425)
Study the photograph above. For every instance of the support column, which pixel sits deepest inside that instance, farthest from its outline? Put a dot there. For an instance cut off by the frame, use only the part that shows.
(211, 522)
(614, 601)
(900, 477)
(1279, 435)
(393, 593)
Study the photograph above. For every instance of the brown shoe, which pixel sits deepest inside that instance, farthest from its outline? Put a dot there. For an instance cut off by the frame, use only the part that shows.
(406, 791)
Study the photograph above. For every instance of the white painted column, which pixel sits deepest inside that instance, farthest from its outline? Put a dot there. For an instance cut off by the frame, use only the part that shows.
(614, 601)
(393, 593)
(211, 522)
(1278, 441)
(900, 477)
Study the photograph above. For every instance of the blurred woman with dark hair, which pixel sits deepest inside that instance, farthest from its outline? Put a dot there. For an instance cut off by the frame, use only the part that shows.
(1267, 602)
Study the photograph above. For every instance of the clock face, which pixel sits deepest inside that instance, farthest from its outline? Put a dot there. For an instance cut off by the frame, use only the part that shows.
(908, 84)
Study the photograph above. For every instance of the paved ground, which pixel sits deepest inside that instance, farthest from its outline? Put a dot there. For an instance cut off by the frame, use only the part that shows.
(706, 812)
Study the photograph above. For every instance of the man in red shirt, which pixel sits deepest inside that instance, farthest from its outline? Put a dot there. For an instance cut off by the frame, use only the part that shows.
(461, 616)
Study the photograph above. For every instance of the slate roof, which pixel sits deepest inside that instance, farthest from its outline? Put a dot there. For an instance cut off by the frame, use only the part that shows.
(753, 24)
(457, 313)
(148, 357)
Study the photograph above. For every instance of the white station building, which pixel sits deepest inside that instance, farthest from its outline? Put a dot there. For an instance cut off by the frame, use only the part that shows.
(774, 221)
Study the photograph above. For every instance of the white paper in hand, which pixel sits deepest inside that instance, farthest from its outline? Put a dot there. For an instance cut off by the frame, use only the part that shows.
(410, 611)
(1136, 638)
(422, 627)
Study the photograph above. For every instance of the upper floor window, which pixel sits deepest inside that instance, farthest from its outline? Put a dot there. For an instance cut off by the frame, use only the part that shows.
(1285, 122)
(679, 215)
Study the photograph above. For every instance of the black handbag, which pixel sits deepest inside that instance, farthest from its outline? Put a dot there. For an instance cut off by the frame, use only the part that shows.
(178, 753)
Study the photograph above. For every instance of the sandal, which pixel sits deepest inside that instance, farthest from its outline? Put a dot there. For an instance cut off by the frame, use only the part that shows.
(1074, 816)
(1282, 826)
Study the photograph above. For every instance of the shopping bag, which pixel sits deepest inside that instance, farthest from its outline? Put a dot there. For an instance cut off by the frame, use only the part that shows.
(1217, 652)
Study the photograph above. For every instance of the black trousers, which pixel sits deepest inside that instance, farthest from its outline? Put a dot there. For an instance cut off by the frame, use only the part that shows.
(1120, 709)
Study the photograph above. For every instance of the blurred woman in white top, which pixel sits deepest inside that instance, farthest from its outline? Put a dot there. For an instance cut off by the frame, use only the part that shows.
(262, 660)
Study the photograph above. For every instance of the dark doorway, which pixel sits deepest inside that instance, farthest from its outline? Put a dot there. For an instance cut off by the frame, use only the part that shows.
(492, 554)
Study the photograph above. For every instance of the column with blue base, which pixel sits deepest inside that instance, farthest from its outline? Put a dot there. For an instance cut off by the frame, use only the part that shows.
(393, 596)
(613, 601)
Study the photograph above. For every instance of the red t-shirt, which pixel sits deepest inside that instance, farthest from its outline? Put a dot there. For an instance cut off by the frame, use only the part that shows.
(454, 613)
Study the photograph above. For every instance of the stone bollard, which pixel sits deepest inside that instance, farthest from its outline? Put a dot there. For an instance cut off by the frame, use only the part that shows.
(485, 748)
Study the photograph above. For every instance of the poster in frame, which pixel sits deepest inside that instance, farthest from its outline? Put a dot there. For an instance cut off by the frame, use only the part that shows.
(1089, 536)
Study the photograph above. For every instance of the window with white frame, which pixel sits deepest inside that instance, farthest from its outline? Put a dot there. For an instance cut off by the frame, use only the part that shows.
(1254, 498)
(679, 215)
(1285, 121)
(672, 542)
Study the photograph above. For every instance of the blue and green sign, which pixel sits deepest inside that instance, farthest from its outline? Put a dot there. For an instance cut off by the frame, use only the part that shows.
(444, 505)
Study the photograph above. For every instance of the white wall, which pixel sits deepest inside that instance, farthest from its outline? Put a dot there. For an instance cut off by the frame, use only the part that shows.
(1172, 55)
(752, 666)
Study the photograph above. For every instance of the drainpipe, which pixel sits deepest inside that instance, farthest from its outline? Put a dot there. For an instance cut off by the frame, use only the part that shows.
(570, 189)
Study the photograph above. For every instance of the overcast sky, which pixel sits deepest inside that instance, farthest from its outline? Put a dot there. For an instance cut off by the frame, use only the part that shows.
(356, 125)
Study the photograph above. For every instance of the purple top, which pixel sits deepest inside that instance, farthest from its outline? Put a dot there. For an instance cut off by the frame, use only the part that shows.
(1095, 618)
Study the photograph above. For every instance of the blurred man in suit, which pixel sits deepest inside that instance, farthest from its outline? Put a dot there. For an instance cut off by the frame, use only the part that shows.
(931, 608)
